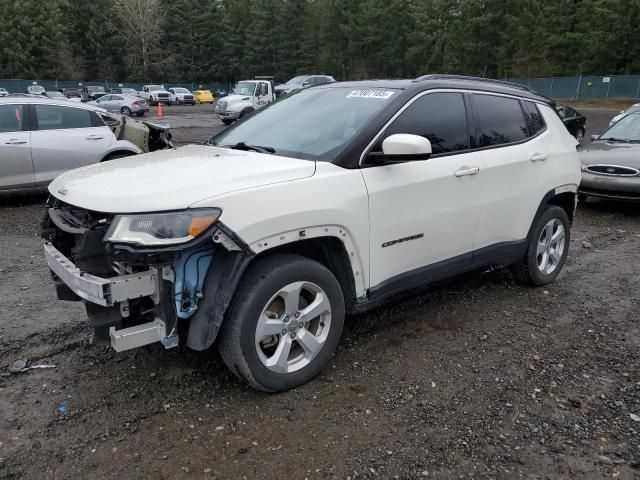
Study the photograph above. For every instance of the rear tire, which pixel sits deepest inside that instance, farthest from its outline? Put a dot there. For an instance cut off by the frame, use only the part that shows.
(284, 323)
(125, 111)
(547, 249)
(227, 121)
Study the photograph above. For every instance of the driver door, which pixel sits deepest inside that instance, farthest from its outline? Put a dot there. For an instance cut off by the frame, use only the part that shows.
(262, 94)
(424, 214)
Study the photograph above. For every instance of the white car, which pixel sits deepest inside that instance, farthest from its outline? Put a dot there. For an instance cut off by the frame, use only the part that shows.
(328, 202)
(40, 138)
(632, 109)
(181, 95)
(155, 94)
(3, 92)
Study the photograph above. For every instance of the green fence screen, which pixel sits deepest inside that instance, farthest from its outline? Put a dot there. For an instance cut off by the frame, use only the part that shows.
(585, 87)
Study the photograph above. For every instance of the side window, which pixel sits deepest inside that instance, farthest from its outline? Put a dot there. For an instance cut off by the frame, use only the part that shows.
(53, 117)
(11, 118)
(500, 120)
(536, 122)
(439, 117)
(264, 89)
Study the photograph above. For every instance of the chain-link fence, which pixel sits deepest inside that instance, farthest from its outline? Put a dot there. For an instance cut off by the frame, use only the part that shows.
(584, 87)
(20, 85)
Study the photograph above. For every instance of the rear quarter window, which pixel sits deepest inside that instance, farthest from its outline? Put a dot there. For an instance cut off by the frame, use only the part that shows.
(536, 121)
(500, 120)
(11, 118)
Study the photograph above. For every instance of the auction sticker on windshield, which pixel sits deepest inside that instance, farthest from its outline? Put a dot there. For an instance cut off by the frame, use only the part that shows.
(382, 94)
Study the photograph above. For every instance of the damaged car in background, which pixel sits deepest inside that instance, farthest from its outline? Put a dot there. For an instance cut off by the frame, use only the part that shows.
(40, 138)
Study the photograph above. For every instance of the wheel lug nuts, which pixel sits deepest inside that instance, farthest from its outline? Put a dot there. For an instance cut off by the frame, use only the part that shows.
(293, 335)
(286, 319)
(301, 325)
(297, 315)
(284, 332)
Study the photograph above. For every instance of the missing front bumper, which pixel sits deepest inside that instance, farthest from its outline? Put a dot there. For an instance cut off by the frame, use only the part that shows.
(102, 291)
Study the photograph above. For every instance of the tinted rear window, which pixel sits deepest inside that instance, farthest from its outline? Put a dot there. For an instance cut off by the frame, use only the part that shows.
(535, 118)
(500, 120)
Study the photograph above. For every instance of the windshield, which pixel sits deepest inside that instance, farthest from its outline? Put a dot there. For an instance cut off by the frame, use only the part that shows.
(244, 88)
(312, 124)
(37, 88)
(155, 88)
(131, 91)
(95, 89)
(54, 94)
(181, 90)
(626, 130)
(633, 109)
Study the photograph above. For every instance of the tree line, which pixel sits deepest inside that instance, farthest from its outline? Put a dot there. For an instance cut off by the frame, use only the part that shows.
(226, 40)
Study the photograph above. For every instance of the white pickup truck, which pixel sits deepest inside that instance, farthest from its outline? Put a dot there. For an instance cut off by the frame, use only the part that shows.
(155, 94)
(248, 96)
(329, 202)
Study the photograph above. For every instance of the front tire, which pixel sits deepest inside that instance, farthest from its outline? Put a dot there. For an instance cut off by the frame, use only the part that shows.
(125, 111)
(547, 249)
(227, 121)
(284, 323)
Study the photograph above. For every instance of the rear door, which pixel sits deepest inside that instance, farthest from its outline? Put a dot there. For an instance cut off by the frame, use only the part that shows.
(116, 103)
(64, 138)
(515, 151)
(16, 168)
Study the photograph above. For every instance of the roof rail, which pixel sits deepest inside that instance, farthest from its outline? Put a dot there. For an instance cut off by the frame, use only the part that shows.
(438, 76)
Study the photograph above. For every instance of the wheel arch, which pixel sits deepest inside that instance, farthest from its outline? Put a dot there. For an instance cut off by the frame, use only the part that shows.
(565, 197)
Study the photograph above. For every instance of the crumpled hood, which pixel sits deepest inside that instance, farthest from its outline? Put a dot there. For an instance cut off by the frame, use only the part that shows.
(624, 154)
(173, 179)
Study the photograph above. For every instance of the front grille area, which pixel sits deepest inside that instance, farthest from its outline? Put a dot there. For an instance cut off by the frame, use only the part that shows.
(78, 234)
(616, 170)
(188, 97)
(163, 95)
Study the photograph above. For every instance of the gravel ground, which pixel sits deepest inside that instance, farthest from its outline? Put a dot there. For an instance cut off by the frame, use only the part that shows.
(475, 378)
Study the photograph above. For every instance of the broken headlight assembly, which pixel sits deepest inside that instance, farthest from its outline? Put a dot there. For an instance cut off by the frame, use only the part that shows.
(160, 229)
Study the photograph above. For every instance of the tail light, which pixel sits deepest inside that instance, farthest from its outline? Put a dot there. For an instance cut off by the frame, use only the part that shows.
(140, 102)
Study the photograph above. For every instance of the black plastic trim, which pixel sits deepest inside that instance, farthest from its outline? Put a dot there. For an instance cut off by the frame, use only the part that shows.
(503, 253)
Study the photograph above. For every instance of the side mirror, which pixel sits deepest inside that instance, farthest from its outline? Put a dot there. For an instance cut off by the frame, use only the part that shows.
(306, 84)
(403, 147)
(594, 137)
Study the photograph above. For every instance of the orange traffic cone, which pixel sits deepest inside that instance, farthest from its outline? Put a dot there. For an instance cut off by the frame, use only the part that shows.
(159, 112)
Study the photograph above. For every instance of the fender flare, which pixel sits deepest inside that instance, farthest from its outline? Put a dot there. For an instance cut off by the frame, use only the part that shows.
(316, 231)
(122, 146)
(568, 188)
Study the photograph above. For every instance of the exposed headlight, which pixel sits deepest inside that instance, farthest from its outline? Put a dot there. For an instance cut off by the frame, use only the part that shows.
(158, 229)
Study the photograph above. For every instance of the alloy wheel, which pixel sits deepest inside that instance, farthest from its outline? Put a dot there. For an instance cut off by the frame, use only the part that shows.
(550, 247)
(293, 327)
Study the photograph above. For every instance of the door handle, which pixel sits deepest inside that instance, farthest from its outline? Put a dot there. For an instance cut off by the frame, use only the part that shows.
(467, 171)
(538, 157)
(94, 137)
(15, 141)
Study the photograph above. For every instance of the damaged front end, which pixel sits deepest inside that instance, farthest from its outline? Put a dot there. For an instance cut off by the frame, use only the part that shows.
(148, 136)
(145, 278)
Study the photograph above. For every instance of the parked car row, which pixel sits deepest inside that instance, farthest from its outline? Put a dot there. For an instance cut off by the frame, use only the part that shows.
(152, 94)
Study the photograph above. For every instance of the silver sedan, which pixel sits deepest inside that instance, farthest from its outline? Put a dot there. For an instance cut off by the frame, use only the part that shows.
(124, 104)
(611, 163)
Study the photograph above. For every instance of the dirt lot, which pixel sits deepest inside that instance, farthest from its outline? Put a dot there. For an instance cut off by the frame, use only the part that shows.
(476, 378)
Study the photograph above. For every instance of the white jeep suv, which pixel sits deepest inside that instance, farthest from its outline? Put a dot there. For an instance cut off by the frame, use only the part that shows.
(323, 204)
